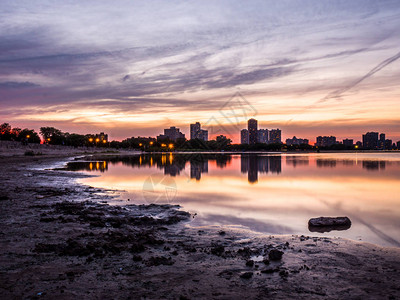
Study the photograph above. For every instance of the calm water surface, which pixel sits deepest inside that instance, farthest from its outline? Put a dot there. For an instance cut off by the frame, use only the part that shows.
(269, 193)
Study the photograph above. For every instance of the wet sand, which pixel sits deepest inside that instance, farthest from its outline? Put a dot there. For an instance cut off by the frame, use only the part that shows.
(59, 239)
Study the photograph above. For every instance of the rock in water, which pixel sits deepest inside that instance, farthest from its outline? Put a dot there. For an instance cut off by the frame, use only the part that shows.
(329, 221)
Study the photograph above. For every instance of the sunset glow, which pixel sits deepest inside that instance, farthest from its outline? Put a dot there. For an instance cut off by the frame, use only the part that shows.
(309, 68)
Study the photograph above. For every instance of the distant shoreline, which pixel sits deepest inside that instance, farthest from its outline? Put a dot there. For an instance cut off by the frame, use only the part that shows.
(8, 148)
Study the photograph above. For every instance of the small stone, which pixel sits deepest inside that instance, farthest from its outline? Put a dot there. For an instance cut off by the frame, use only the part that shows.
(246, 275)
(275, 254)
(266, 261)
(250, 263)
(284, 273)
(269, 271)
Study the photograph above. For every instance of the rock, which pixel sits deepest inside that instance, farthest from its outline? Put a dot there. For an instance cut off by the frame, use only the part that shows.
(3, 198)
(246, 275)
(329, 221)
(218, 250)
(270, 270)
(137, 258)
(275, 254)
(250, 263)
(326, 224)
(159, 260)
(265, 261)
(284, 273)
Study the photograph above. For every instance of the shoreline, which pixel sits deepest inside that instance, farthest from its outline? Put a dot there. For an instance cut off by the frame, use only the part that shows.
(59, 240)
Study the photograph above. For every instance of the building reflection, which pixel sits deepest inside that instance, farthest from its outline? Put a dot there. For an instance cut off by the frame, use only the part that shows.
(369, 165)
(253, 164)
(101, 166)
(295, 161)
(223, 160)
(326, 163)
(372, 165)
(197, 168)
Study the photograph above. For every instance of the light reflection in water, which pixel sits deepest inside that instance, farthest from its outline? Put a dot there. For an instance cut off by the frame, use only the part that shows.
(275, 194)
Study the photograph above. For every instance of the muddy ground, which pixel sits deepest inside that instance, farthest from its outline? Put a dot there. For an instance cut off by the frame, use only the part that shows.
(60, 240)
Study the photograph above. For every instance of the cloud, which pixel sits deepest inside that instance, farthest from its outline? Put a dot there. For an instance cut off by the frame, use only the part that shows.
(17, 85)
(338, 93)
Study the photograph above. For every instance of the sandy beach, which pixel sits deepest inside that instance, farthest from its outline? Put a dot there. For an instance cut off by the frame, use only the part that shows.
(60, 239)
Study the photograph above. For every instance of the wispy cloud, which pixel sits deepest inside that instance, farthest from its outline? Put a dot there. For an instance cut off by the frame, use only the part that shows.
(17, 85)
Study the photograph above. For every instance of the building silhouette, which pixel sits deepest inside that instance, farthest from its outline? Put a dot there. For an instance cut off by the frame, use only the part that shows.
(252, 135)
(348, 142)
(275, 136)
(262, 136)
(382, 140)
(370, 140)
(244, 137)
(325, 141)
(388, 145)
(252, 128)
(172, 134)
(197, 133)
(296, 141)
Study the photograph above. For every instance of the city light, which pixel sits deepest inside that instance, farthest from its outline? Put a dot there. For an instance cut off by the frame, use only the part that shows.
(28, 136)
(90, 139)
(97, 140)
(140, 144)
(151, 143)
(163, 145)
(104, 141)
(170, 146)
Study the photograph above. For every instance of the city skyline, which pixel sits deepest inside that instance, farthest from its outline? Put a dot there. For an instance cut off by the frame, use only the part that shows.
(310, 69)
(368, 140)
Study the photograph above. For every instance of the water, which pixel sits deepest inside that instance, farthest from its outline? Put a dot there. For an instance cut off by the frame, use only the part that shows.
(269, 193)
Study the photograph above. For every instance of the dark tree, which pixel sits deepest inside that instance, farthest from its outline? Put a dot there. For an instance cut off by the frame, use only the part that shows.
(5, 132)
(52, 135)
(29, 135)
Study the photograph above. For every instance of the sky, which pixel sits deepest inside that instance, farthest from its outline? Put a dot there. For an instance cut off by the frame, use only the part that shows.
(133, 68)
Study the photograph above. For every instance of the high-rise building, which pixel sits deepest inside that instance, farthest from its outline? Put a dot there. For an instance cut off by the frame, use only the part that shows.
(388, 145)
(244, 137)
(370, 140)
(275, 136)
(381, 142)
(197, 133)
(325, 141)
(172, 133)
(194, 130)
(262, 136)
(252, 128)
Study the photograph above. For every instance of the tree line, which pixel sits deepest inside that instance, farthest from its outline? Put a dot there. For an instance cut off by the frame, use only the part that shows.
(51, 136)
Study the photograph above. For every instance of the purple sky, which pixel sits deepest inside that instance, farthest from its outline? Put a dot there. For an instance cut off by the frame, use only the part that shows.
(135, 67)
